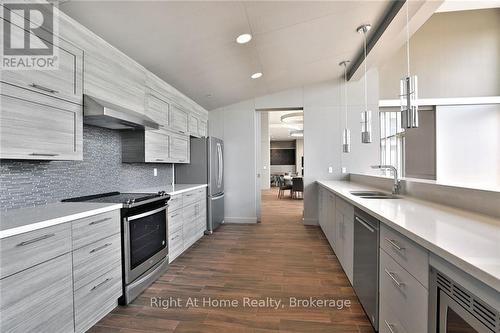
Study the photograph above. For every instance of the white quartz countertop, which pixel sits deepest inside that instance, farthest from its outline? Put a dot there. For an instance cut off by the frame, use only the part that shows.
(172, 190)
(467, 240)
(18, 221)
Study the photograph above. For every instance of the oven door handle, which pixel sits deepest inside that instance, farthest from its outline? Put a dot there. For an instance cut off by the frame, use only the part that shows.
(151, 212)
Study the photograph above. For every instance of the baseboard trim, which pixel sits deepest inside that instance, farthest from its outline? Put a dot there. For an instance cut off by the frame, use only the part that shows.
(310, 221)
(240, 220)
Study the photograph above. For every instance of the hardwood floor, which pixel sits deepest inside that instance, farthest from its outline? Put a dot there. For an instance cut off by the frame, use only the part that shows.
(279, 258)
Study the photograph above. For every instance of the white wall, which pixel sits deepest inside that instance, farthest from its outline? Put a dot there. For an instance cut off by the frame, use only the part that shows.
(265, 145)
(323, 122)
(235, 124)
(468, 145)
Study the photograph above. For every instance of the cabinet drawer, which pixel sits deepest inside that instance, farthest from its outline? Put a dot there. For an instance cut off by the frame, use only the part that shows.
(346, 208)
(201, 194)
(404, 294)
(190, 198)
(94, 259)
(93, 228)
(63, 82)
(175, 220)
(38, 299)
(411, 256)
(388, 320)
(37, 127)
(94, 300)
(31, 248)
(175, 202)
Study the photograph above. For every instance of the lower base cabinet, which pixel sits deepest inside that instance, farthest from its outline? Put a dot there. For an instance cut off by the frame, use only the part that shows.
(187, 221)
(38, 299)
(73, 277)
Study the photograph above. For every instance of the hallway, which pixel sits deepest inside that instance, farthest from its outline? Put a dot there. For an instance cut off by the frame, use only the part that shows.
(280, 259)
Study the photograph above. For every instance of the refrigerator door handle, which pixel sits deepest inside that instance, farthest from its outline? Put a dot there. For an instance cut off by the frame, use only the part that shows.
(217, 197)
(219, 165)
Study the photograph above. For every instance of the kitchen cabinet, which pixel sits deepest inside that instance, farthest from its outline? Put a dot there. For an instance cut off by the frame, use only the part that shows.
(35, 126)
(62, 278)
(194, 125)
(327, 219)
(158, 109)
(179, 148)
(64, 82)
(203, 129)
(187, 220)
(178, 119)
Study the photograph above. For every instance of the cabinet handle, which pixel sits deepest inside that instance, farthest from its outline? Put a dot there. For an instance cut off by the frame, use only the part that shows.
(174, 215)
(389, 326)
(391, 275)
(182, 160)
(100, 248)
(159, 159)
(34, 240)
(39, 87)
(176, 237)
(44, 154)
(364, 224)
(100, 284)
(394, 244)
(100, 221)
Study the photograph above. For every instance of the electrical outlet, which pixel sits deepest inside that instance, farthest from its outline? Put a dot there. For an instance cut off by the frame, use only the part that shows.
(344, 170)
(155, 172)
(330, 169)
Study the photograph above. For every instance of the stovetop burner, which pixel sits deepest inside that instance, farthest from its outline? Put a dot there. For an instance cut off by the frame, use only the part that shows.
(127, 199)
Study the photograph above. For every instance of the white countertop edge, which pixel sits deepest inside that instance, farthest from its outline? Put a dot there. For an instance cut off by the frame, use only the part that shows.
(467, 267)
(195, 187)
(55, 221)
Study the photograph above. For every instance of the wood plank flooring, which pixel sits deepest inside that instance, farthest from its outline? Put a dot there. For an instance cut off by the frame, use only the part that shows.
(279, 258)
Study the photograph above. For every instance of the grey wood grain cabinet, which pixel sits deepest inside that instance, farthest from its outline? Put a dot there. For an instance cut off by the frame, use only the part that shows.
(179, 148)
(39, 127)
(38, 299)
(203, 128)
(158, 109)
(150, 146)
(194, 125)
(178, 119)
(64, 82)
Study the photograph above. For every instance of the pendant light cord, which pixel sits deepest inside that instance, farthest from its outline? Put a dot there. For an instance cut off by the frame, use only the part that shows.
(345, 93)
(366, 86)
(407, 38)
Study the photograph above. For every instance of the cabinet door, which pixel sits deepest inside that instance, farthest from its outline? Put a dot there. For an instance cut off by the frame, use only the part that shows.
(194, 125)
(321, 209)
(35, 126)
(156, 146)
(178, 119)
(203, 130)
(63, 82)
(339, 237)
(348, 252)
(38, 299)
(179, 148)
(332, 220)
(158, 110)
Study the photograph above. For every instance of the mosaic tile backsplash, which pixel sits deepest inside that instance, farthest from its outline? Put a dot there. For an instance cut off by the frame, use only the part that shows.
(32, 183)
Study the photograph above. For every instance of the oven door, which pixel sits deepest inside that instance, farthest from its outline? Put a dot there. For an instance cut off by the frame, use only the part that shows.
(145, 241)
(453, 318)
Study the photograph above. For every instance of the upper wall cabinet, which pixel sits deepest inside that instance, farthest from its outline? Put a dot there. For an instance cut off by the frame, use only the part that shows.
(178, 119)
(39, 127)
(194, 125)
(108, 73)
(64, 81)
(158, 109)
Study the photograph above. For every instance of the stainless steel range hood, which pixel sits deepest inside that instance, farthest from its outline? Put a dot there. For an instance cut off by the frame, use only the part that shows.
(98, 112)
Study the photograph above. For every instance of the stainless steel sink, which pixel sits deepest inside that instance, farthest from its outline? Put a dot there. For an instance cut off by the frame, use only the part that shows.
(374, 195)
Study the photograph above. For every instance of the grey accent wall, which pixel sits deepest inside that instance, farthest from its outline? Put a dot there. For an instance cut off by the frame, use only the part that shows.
(32, 183)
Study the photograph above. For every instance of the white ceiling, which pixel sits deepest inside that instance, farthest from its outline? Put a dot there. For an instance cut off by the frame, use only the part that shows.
(457, 5)
(276, 131)
(191, 45)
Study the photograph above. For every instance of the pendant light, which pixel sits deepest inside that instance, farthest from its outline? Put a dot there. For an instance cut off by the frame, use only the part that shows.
(366, 115)
(408, 88)
(346, 135)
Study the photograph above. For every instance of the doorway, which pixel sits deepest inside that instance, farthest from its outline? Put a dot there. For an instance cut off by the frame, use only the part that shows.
(280, 162)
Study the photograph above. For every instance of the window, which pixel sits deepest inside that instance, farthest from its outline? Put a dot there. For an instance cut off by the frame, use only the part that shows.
(392, 138)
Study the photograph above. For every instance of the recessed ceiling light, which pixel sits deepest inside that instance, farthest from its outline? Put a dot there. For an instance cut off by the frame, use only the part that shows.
(243, 39)
(256, 75)
(297, 134)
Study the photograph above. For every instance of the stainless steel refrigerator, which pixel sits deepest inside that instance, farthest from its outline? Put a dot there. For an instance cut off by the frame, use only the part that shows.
(206, 167)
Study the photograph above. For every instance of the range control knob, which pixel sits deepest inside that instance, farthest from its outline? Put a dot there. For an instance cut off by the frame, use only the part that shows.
(162, 193)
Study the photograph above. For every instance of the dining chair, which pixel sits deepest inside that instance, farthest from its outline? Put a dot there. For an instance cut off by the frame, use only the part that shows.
(285, 185)
(297, 187)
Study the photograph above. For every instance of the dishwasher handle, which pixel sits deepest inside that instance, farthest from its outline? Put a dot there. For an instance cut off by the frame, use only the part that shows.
(364, 224)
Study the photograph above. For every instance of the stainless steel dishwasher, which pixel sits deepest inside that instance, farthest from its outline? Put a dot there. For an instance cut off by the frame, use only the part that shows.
(366, 263)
